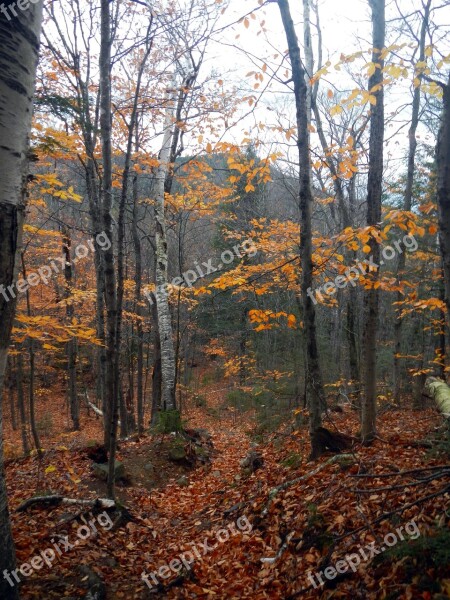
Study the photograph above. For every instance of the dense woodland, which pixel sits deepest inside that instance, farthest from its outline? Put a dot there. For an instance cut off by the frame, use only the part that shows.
(224, 299)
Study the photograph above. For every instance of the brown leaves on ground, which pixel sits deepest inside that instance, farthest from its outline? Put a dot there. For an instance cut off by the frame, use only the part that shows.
(293, 539)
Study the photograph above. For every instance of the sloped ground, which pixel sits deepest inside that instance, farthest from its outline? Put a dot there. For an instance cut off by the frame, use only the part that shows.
(218, 504)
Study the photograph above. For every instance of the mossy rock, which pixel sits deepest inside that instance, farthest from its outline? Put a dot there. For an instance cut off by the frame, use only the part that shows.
(177, 453)
(101, 470)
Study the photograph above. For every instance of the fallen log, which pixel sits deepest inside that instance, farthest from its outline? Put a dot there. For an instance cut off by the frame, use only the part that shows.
(439, 391)
(56, 500)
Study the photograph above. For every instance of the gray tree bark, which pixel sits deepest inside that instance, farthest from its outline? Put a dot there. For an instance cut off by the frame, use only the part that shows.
(374, 192)
(407, 203)
(443, 190)
(313, 370)
(71, 347)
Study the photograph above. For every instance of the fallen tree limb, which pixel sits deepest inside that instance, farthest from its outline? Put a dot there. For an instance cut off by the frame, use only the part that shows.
(423, 481)
(56, 500)
(400, 473)
(279, 554)
(96, 410)
(338, 458)
(439, 391)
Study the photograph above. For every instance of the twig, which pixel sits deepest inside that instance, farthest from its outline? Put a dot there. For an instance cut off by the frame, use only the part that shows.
(273, 492)
(402, 486)
(400, 473)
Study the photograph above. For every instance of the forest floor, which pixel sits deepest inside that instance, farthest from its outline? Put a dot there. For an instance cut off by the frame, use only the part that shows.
(227, 509)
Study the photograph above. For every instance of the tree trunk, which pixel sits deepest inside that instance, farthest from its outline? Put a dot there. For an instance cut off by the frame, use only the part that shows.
(407, 203)
(440, 350)
(443, 190)
(31, 354)
(156, 375)
(138, 308)
(162, 302)
(21, 405)
(374, 192)
(121, 236)
(71, 348)
(313, 371)
(12, 403)
(112, 352)
(19, 41)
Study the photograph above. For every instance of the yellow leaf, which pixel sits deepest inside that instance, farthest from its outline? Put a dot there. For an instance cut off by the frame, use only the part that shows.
(50, 469)
(209, 147)
(371, 67)
(372, 100)
(366, 249)
(336, 110)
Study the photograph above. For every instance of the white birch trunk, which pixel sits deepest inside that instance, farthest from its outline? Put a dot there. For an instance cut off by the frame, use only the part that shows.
(19, 43)
(162, 303)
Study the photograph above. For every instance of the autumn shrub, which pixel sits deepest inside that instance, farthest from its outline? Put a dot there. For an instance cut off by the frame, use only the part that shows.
(169, 421)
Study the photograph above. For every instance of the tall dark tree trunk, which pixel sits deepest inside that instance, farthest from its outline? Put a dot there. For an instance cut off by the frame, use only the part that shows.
(374, 193)
(442, 342)
(121, 229)
(443, 189)
(71, 347)
(313, 372)
(32, 356)
(12, 403)
(21, 405)
(407, 204)
(112, 351)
